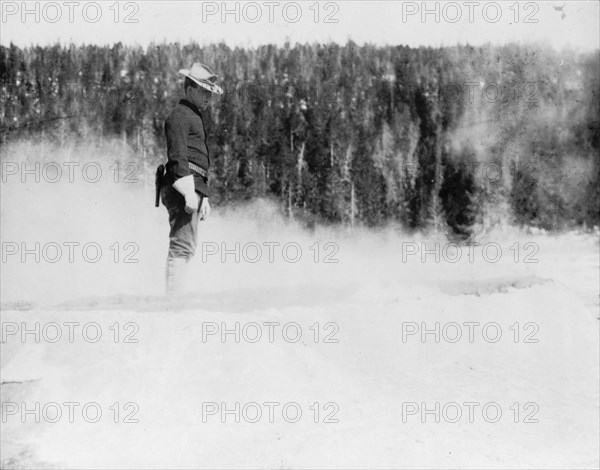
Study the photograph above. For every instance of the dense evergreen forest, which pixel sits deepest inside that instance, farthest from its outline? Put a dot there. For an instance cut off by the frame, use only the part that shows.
(455, 139)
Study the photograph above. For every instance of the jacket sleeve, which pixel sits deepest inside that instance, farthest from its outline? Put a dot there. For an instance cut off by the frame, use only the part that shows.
(176, 131)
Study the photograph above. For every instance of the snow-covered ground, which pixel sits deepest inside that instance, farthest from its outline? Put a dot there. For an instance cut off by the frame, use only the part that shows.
(341, 342)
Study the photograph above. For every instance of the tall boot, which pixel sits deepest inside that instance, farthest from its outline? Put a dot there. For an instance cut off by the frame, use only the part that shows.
(175, 275)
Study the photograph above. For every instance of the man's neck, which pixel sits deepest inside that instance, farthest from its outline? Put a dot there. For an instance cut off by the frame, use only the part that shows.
(189, 104)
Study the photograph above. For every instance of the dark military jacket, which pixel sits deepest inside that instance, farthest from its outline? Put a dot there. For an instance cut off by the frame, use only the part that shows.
(186, 143)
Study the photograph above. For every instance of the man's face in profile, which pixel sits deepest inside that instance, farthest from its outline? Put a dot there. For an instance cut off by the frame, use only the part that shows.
(199, 96)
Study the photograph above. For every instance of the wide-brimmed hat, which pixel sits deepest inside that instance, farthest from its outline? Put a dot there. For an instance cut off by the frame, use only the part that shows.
(203, 76)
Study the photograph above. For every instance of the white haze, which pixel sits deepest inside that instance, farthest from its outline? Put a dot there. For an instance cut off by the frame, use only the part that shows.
(109, 212)
(369, 293)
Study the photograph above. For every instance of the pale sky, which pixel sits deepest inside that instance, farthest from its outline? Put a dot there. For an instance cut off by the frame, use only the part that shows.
(379, 22)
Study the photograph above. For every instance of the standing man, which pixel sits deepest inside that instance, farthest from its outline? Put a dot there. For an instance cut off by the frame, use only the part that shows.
(185, 184)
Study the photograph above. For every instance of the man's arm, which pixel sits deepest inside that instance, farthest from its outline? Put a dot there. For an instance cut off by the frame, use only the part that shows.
(176, 131)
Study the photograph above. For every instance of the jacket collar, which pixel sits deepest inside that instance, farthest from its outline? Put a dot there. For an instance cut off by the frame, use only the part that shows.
(190, 105)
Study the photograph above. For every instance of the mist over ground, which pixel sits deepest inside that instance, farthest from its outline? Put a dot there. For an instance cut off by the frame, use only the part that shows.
(352, 382)
(83, 224)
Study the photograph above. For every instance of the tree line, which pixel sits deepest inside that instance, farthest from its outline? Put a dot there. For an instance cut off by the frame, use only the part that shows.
(456, 139)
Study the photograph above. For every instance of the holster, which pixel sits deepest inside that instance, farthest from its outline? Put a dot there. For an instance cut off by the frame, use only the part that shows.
(158, 182)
